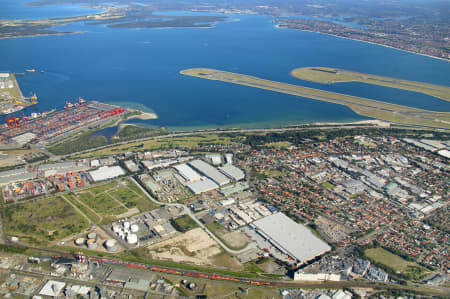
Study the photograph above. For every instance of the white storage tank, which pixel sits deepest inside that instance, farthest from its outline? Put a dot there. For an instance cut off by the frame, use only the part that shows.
(134, 228)
(79, 242)
(92, 235)
(132, 239)
(91, 243)
(111, 245)
(126, 225)
(115, 228)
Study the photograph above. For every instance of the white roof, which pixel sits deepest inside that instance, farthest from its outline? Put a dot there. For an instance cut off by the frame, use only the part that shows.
(4, 75)
(293, 238)
(341, 295)
(210, 172)
(202, 186)
(106, 172)
(187, 173)
(24, 138)
(52, 288)
(444, 153)
(232, 172)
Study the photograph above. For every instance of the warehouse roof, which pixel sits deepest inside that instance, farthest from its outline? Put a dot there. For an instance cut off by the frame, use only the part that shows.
(293, 238)
(202, 186)
(232, 172)
(187, 173)
(210, 172)
(106, 172)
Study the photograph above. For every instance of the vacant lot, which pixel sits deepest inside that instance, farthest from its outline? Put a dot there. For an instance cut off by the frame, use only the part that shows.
(395, 262)
(164, 143)
(234, 240)
(107, 202)
(195, 247)
(40, 221)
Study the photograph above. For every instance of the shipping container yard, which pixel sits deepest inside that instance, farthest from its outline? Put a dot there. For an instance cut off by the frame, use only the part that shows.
(53, 125)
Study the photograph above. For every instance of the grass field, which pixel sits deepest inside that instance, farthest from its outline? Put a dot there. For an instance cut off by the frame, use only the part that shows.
(107, 202)
(395, 262)
(330, 75)
(184, 223)
(363, 106)
(328, 185)
(41, 221)
(163, 143)
(220, 232)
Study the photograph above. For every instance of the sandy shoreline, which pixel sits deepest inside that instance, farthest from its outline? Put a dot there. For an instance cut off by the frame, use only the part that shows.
(364, 41)
(143, 115)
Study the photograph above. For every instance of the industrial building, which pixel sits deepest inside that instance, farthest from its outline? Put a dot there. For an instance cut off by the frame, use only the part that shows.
(202, 186)
(106, 172)
(209, 171)
(291, 238)
(232, 172)
(188, 174)
(16, 175)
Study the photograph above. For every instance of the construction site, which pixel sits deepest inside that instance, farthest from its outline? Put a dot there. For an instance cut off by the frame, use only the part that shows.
(54, 125)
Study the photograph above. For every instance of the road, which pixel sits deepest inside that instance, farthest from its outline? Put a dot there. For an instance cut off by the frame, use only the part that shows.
(188, 211)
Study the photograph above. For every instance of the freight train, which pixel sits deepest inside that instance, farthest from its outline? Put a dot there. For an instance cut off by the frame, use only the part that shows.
(186, 273)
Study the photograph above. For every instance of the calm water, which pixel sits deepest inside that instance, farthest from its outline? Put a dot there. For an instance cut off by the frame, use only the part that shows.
(142, 66)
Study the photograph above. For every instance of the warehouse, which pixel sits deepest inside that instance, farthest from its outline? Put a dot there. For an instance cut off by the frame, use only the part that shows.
(209, 171)
(202, 186)
(232, 172)
(106, 172)
(187, 173)
(291, 238)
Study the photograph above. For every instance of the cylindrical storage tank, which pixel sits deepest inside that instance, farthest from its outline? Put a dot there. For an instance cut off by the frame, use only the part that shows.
(92, 235)
(134, 228)
(92, 244)
(111, 245)
(132, 239)
(121, 235)
(126, 225)
(115, 228)
(79, 241)
(14, 239)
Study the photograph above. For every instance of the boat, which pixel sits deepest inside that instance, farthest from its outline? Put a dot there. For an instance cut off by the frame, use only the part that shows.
(31, 71)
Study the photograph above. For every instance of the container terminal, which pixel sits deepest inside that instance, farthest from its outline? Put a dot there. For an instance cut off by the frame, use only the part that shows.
(54, 125)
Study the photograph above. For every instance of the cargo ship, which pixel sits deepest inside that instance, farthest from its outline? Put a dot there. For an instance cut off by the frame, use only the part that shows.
(31, 71)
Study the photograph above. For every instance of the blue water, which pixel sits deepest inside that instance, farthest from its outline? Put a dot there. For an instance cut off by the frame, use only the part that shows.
(16, 9)
(142, 66)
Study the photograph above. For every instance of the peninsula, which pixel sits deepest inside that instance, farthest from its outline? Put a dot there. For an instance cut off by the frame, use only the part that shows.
(363, 106)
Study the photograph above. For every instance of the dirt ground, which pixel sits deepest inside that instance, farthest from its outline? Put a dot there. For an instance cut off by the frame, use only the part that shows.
(194, 246)
(235, 239)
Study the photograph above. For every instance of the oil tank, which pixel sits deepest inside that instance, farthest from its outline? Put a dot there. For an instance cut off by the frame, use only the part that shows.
(79, 241)
(111, 245)
(91, 243)
(92, 235)
(134, 228)
(132, 239)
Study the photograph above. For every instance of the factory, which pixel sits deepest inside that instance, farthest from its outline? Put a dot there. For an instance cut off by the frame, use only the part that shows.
(202, 186)
(106, 173)
(232, 172)
(291, 238)
(187, 173)
(209, 171)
